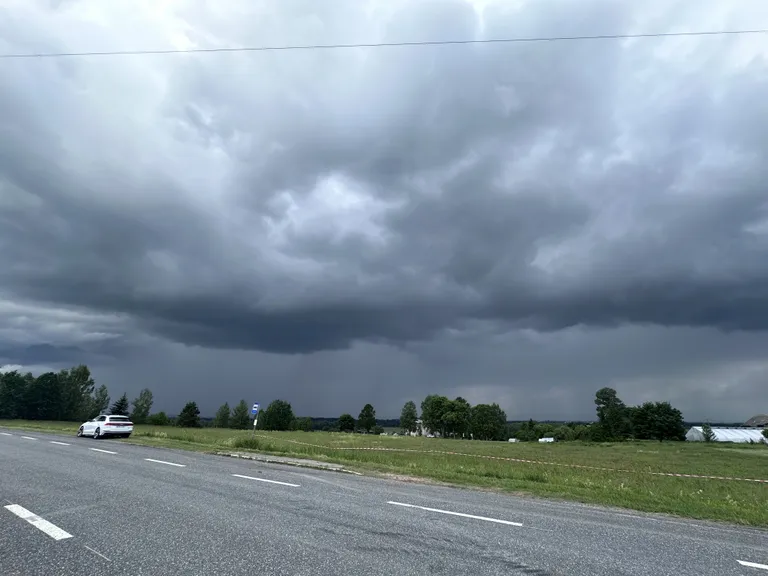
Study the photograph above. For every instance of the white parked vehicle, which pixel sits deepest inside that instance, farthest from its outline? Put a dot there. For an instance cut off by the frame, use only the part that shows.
(106, 425)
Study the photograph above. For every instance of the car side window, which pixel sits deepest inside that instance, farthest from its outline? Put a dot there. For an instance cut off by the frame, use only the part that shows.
(101, 418)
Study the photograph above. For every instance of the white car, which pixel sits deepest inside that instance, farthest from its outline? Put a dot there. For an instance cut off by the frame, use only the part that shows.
(106, 425)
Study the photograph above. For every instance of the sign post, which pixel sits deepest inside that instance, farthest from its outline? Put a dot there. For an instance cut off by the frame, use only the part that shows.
(255, 412)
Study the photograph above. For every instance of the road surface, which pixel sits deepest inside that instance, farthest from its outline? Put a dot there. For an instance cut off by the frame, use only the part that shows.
(77, 506)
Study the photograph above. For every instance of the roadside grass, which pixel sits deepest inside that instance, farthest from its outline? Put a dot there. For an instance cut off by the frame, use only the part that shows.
(625, 483)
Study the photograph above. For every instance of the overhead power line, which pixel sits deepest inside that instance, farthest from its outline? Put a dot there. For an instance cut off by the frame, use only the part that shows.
(380, 44)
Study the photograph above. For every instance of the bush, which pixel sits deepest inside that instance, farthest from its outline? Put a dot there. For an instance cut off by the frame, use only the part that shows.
(565, 433)
(159, 419)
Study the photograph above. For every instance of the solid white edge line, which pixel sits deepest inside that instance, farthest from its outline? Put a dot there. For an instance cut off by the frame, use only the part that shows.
(104, 451)
(28, 438)
(164, 462)
(495, 520)
(6, 433)
(43, 525)
(59, 443)
(265, 480)
(753, 565)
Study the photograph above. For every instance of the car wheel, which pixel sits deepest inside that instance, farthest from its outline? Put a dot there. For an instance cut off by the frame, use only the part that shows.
(96, 433)
(127, 436)
(80, 432)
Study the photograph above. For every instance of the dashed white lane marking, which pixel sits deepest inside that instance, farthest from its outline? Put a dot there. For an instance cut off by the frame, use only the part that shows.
(164, 462)
(265, 480)
(6, 434)
(28, 438)
(43, 525)
(104, 451)
(59, 443)
(753, 565)
(496, 520)
(97, 553)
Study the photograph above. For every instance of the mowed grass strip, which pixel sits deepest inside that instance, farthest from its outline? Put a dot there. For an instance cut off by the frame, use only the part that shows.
(627, 482)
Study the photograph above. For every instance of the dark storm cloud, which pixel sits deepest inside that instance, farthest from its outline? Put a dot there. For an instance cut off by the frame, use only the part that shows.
(430, 132)
(302, 202)
(39, 354)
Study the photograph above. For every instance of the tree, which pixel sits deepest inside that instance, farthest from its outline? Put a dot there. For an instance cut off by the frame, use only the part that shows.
(240, 419)
(71, 396)
(457, 418)
(367, 418)
(80, 377)
(528, 431)
(408, 417)
(706, 430)
(582, 432)
(544, 430)
(12, 393)
(564, 433)
(120, 407)
(433, 409)
(99, 402)
(278, 416)
(346, 423)
(489, 422)
(668, 422)
(612, 415)
(141, 407)
(158, 419)
(221, 419)
(42, 397)
(65, 395)
(657, 421)
(189, 417)
(75, 388)
(303, 424)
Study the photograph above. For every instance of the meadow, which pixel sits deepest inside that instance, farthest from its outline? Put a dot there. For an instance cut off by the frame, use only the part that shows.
(626, 474)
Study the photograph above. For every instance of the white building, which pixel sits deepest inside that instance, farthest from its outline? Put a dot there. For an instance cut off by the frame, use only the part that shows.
(742, 435)
(421, 430)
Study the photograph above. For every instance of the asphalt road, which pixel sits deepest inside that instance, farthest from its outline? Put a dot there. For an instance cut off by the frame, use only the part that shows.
(134, 512)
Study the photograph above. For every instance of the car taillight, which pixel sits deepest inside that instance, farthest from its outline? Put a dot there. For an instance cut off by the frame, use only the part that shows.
(119, 424)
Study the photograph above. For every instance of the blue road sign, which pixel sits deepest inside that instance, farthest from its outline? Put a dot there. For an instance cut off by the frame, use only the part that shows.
(255, 409)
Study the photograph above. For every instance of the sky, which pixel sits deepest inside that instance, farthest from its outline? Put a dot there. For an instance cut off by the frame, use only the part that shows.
(516, 223)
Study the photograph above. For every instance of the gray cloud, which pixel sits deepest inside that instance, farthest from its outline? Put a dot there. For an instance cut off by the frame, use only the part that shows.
(345, 207)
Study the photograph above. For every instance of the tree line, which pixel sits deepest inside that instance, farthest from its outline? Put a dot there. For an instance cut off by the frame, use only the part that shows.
(615, 421)
(68, 395)
(650, 421)
(72, 395)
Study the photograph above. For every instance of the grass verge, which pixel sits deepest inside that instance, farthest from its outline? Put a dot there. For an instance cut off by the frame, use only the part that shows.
(625, 480)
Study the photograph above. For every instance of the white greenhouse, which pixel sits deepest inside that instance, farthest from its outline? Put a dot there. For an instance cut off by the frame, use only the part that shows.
(755, 435)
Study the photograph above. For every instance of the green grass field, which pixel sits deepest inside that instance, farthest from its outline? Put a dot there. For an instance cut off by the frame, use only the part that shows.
(627, 483)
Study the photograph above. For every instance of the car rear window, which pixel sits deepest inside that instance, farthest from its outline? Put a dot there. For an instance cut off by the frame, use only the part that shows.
(118, 419)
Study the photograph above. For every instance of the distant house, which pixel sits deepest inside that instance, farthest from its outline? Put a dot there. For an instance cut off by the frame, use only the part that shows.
(421, 430)
(741, 435)
(759, 421)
